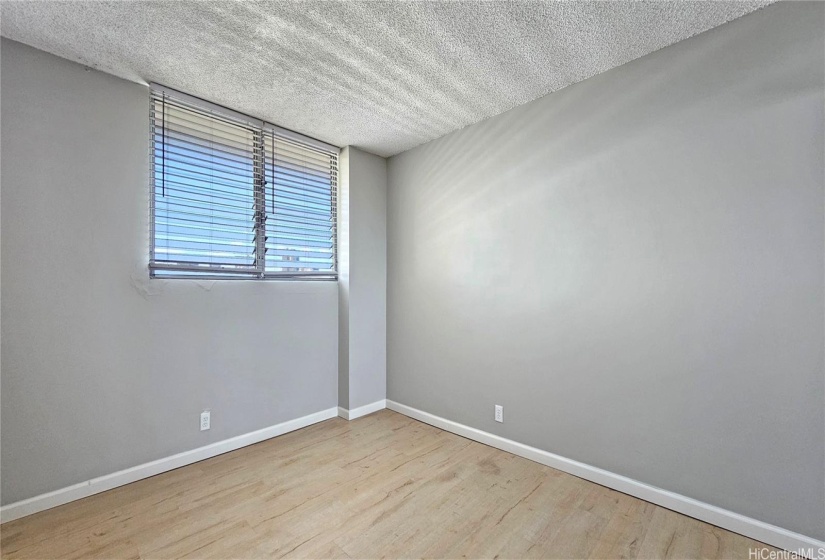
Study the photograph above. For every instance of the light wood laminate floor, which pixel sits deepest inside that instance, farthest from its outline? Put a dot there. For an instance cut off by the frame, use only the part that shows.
(380, 486)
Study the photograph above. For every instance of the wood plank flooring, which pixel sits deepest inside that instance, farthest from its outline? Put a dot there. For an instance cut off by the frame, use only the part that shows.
(382, 486)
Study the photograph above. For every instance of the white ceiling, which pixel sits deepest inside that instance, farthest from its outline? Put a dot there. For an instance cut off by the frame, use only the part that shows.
(383, 76)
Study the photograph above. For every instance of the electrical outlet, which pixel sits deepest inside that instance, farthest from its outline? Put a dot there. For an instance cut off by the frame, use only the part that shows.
(499, 413)
(206, 421)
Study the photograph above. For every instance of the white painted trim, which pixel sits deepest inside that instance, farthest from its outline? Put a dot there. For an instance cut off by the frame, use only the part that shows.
(127, 476)
(759, 530)
(362, 410)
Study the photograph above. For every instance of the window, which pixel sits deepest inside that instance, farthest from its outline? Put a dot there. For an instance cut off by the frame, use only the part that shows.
(235, 197)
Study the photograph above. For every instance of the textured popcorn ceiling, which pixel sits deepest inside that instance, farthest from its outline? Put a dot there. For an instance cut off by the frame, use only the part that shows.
(383, 76)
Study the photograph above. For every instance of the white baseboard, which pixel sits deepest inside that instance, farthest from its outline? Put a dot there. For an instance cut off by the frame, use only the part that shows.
(758, 530)
(362, 410)
(127, 476)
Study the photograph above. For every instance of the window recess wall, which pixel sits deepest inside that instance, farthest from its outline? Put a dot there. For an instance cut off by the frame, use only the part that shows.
(362, 284)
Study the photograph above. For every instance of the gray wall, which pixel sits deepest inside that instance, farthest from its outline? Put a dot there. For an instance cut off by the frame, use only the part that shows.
(103, 369)
(343, 278)
(362, 319)
(633, 268)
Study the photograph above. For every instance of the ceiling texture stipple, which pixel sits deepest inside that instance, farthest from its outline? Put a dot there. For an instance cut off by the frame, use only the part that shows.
(382, 76)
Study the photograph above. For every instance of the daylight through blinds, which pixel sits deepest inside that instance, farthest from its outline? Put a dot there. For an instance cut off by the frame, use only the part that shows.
(238, 198)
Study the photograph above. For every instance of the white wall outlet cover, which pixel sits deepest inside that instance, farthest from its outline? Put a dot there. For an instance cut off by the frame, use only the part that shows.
(206, 420)
(499, 413)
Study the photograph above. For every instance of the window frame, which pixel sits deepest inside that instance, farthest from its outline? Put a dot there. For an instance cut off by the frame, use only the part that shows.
(260, 130)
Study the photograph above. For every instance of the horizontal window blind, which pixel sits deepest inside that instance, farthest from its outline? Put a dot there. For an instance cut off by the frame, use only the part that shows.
(233, 197)
(300, 206)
